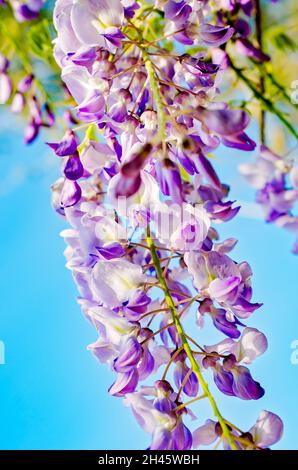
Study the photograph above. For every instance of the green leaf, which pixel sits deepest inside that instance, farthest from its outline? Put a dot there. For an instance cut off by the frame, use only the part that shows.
(40, 41)
(285, 42)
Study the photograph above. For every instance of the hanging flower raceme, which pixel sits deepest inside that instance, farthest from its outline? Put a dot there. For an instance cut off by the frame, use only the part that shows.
(266, 432)
(142, 197)
(237, 14)
(275, 179)
(5, 80)
(22, 98)
(30, 85)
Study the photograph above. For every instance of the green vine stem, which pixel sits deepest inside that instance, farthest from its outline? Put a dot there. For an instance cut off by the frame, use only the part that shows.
(258, 21)
(282, 89)
(266, 102)
(162, 118)
(194, 365)
(154, 86)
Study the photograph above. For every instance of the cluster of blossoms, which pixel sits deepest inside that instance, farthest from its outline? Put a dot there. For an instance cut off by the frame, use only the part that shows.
(24, 10)
(143, 199)
(22, 96)
(238, 14)
(276, 180)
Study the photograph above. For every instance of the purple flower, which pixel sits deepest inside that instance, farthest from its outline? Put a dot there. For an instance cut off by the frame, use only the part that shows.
(161, 439)
(224, 381)
(18, 103)
(198, 66)
(184, 377)
(158, 418)
(218, 277)
(5, 87)
(268, 429)
(182, 437)
(85, 56)
(100, 19)
(206, 168)
(112, 281)
(73, 169)
(242, 27)
(215, 35)
(205, 434)
(129, 356)
(178, 12)
(168, 176)
(245, 47)
(224, 290)
(244, 386)
(130, 7)
(140, 190)
(182, 228)
(67, 146)
(4, 63)
(25, 84)
(71, 193)
(220, 318)
(92, 108)
(226, 121)
(137, 304)
(276, 186)
(239, 141)
(234, 380)
(252, 344)
(222, 211)
(111, 251)
(231, 377)
(125, 383)
(96, 156)
(137, 162)
(27, 10)
(31, 132)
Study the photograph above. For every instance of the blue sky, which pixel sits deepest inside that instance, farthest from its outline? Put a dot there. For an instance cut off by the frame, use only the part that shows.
(53, 392)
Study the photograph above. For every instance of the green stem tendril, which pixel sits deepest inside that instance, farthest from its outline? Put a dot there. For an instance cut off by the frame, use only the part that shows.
(266, 102)
(194, 365)
(156, 93)
(258, 21)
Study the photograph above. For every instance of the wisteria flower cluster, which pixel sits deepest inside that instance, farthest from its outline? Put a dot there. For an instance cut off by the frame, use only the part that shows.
(23, 89)
(22, 97)
(143, 199)
(276, 180)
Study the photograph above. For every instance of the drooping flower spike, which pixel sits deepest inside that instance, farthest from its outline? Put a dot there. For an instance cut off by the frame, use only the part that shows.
(276, 183)
(142, 117)
(143, 200)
